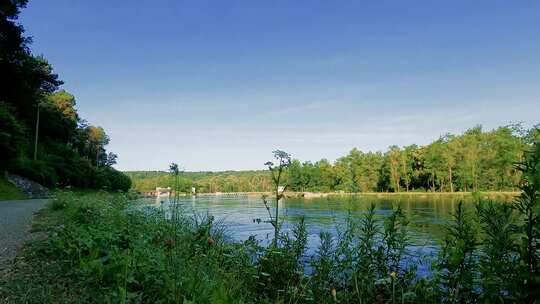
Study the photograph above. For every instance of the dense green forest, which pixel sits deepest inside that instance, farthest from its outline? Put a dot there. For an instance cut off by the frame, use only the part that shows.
(225, 181)
(42, 137)
(476, 160)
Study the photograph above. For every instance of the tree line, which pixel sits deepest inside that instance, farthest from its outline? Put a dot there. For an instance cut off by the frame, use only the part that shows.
(226, 181)
(473, 161)
(42, 136)
(476, 160)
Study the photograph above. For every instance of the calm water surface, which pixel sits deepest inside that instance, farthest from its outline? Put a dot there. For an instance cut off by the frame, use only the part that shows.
(427, 214)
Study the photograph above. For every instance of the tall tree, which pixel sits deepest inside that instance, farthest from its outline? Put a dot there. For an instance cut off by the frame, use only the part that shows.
(450, 156)
(408, 164)
(394, 158)
(97, 140)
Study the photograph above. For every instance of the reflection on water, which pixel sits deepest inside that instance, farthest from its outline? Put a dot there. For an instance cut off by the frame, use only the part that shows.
(427, 214)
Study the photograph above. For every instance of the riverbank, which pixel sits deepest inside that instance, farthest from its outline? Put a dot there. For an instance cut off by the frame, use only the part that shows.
(104, 248)
(489, 195)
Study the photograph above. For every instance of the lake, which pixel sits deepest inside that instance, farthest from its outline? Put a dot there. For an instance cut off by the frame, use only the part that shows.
(427, 213)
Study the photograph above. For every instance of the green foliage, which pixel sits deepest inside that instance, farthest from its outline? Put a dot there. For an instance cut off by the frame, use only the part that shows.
(227, 181)
(67, 147)
(8, 191)
(11, 136)
(112, 179)
(36, 170)
(365, 262)
(457, 263)
(474, 161)
(279, 268)
(498, 259)
(528, 207)
(70, 171)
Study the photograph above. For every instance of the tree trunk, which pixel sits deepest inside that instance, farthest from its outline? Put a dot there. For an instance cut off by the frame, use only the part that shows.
(475, 181)
(97, 156)
(37, 132)
(450, 179)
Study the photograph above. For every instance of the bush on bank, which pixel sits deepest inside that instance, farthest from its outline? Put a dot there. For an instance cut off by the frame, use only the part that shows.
(75, 172)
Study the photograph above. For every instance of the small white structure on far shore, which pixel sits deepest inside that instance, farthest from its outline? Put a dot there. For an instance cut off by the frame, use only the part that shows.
(163, 192)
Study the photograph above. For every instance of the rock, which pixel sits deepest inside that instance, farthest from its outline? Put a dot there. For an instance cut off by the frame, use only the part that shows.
(28, 187)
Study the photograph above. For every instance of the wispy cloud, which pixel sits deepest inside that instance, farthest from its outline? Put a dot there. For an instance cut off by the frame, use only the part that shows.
(293, 109)
(301, 108)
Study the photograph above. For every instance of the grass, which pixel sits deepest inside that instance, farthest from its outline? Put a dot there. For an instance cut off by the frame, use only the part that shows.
(101, 250)
(8, 191)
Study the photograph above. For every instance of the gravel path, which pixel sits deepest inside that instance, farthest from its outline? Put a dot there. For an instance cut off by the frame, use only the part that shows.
(15, 220)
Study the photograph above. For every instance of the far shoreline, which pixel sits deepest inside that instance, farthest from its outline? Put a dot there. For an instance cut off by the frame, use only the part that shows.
(308, 195)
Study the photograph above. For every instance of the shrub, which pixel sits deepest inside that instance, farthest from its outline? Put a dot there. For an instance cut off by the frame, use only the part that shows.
(498, 260)
(527, 206)
(365, 262)
(280, 269)
(70, 171)
(457, 264)
(58, 203)
(116, 179)
(36, 170)
(11, 136)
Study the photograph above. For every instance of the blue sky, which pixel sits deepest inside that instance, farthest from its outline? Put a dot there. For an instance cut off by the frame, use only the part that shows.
(217, 85)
